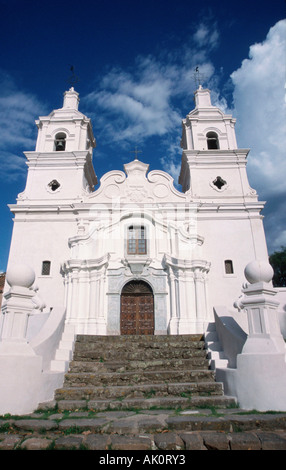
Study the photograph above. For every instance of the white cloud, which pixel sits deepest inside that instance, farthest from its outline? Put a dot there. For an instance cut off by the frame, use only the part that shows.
(259, 101)
(145, 102)
(17, 127)
(260, 108)
(206, 35)
(17, 113)
(140, 104)
(13, 166)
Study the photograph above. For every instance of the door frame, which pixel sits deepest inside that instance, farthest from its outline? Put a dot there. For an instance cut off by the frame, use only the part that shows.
(133, 290)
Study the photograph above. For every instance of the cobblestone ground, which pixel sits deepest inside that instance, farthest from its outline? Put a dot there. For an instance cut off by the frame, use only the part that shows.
(146, 430)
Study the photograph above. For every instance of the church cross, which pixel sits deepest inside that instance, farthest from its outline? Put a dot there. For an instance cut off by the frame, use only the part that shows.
(198, 77)
(136, 152)
(73, 79)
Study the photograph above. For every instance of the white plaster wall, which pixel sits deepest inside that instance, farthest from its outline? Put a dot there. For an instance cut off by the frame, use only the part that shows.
(232, 239)
(66, 168)
(36, 241)
(281, 297)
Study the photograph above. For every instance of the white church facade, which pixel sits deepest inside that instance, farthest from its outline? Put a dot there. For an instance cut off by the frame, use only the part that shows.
(136, 239)
(133, 255)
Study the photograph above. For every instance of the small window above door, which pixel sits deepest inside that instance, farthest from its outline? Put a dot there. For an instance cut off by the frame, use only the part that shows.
(136, 240)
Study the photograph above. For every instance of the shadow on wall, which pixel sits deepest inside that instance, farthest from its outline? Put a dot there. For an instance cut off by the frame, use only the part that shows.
(230, 334)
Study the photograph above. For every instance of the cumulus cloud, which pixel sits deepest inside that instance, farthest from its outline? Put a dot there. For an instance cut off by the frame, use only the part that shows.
(13, 166)
(206, 35)
(260, 108)
(145, 102)
(17, 127)
(140, 103)
(259, 102)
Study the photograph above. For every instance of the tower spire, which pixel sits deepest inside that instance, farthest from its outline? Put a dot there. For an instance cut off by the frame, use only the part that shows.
(71, 99)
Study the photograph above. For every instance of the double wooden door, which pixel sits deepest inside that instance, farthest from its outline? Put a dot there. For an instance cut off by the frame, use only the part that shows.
(137, 309)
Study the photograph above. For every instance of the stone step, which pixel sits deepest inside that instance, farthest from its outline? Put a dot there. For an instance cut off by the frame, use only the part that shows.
(127, 354)
(78, 379)
(138, 348)
(109, 371)
(146, 430)
(93, 347)
(160, 346)
(139, 390)
(140, 339)
(135, 403)
(197, 362)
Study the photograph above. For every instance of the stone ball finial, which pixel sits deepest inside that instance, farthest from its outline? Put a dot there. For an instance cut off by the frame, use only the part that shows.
(258, 271)
(20, 275)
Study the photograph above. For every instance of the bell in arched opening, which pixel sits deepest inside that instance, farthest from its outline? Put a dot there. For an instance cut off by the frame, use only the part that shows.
(60, 142)
(212, 141)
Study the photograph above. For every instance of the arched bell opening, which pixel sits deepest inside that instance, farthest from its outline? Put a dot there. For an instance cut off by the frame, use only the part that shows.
(60, 142)
(212, 141)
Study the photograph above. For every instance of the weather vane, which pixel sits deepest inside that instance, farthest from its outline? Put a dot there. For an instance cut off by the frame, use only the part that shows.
(136, 152)
(73, 79)
(198, 77)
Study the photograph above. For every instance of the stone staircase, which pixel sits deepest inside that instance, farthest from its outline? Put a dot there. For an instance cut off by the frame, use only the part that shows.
(140, 372)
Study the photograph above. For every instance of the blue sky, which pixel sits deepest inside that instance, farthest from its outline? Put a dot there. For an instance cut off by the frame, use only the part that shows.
(135, 62)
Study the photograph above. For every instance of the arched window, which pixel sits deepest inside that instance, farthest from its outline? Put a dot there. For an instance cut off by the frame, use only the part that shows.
(136, 242)
(60, 142)
(228, 266)
(46, 268)
(212, 141)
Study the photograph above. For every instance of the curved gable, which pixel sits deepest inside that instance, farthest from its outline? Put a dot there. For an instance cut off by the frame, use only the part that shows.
(137, 186)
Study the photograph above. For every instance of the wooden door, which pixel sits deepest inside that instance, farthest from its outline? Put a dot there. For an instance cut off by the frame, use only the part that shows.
(137, 309)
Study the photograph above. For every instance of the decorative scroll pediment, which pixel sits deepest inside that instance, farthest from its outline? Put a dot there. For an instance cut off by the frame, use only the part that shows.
(136, 185)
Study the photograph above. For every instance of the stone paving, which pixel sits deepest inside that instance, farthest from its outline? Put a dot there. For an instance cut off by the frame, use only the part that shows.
(145, 430)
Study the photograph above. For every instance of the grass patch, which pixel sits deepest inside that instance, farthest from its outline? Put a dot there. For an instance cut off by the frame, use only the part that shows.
(73, 430)
(4, 427)
(150, 394)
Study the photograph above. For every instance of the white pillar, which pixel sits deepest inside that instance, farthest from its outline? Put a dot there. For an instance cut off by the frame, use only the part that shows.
(260, 377)
(20, 367)
(75, 293)
(173, 326)
(17, 308)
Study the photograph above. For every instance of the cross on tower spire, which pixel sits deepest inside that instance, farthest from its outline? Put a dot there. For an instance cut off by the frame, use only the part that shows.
(73, 79)
(198, 77)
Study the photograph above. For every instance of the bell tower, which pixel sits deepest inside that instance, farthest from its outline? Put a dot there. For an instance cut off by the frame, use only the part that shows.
(213, 168)
(228, 213)
(61, 165)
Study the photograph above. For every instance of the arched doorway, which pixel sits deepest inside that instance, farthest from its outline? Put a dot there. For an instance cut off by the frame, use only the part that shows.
(137, 309)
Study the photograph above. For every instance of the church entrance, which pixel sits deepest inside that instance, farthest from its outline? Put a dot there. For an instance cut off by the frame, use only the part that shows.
(137, 309)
